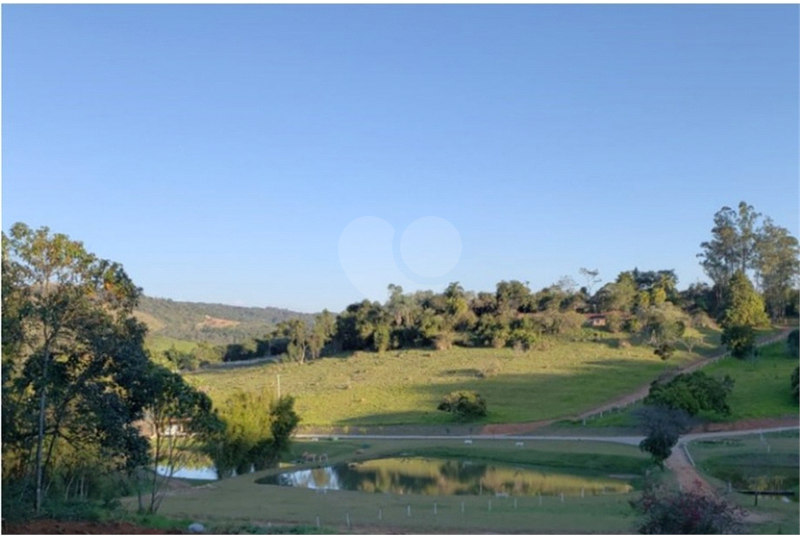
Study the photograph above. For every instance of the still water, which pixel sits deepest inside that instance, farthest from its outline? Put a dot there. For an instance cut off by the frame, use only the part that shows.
(445, 477)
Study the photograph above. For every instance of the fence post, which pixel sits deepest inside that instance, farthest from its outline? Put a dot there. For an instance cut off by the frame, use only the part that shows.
(347, 518)
(380, 513)
(462, 507)
(317, 521)
(409, 510)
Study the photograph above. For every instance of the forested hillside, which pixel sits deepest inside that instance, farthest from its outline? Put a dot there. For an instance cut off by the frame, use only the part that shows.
(210, 322)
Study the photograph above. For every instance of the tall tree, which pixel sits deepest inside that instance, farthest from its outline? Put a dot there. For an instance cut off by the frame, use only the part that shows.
(777, 266)
(322, 332)
(76, 359)
(743, 305)
(733, 244)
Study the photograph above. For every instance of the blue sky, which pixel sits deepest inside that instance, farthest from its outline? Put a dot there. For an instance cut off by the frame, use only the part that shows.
(220, 152)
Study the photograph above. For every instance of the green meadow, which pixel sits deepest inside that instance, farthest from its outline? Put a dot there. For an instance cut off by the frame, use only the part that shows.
(404, 387)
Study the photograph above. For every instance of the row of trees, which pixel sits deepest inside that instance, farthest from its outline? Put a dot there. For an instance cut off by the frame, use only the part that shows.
(79, 387)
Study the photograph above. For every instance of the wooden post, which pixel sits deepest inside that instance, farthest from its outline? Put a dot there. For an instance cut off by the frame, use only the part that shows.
(317, 521)
(409, 510)
(582, 493)
(540, 499)
(434, 507)
(347, 517)
(380, 513)
(462, 508)
(490, 505)
(515, 503)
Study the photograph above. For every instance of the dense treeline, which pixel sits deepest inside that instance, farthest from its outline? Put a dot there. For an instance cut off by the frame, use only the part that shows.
(646, 304)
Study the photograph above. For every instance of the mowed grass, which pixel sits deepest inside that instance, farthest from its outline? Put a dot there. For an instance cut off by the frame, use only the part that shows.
(762, 386)
(242, 500)
(404, 387)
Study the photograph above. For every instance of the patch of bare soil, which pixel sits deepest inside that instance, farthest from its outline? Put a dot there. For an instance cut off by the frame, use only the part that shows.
(216, 323)
(59, 526)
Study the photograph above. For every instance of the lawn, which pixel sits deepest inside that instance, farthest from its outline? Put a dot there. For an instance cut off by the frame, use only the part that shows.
(404, 387)
(240, 500)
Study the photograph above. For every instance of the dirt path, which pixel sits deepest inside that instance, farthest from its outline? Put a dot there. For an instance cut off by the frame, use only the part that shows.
(688, 478)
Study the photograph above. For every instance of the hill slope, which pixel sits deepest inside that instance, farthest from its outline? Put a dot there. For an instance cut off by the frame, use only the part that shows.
(210, 322)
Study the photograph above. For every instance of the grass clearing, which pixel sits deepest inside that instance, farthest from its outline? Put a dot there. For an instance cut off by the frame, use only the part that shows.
(762, 388)
(159, 344)
(404, 387)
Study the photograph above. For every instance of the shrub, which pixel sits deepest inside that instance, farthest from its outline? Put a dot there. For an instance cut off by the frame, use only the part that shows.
(793, 343)
(740, 339)
(464, 404)
(685, 512)
(692, 392)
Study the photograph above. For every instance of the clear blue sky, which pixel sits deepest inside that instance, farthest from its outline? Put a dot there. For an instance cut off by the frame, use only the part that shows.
(219, 152)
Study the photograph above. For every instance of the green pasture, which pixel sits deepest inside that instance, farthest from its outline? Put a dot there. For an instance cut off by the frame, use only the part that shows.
(241, 500)
(761, 390)
(762, 387)
(768, 461)
(404, 387)
(158, 344)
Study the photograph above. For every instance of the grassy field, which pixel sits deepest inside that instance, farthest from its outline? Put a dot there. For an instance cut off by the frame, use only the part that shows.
(761, 390)
(762, 387)
(158, 344)
(754, 462)
(240, 500)
(404, 387)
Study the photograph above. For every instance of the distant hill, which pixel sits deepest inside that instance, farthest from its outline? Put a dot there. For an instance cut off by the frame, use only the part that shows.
(210, 322)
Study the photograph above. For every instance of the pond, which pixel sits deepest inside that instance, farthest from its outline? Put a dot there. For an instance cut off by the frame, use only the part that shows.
(445, 477)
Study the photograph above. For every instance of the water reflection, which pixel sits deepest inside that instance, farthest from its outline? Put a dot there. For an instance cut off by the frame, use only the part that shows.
(444, 477)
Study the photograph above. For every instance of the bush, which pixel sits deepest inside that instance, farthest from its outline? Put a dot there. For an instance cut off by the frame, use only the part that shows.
(692, 392)
(793, 343)
(741, 340)
(685, 512)
(464, 404)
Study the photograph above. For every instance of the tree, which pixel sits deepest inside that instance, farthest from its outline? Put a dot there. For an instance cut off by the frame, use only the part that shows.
(464, 404)
(692, 393)
(663, 426)
(740, 340)
(732, 246)
(74, 367)
(592, 279)
(777, 266)
(181, 419)
(322, 332)
(685, 512)
(296, 331)
(662, 327)
(256, 432)
(743, 305)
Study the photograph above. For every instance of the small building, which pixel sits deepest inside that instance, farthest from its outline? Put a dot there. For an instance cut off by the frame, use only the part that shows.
(596, 320)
